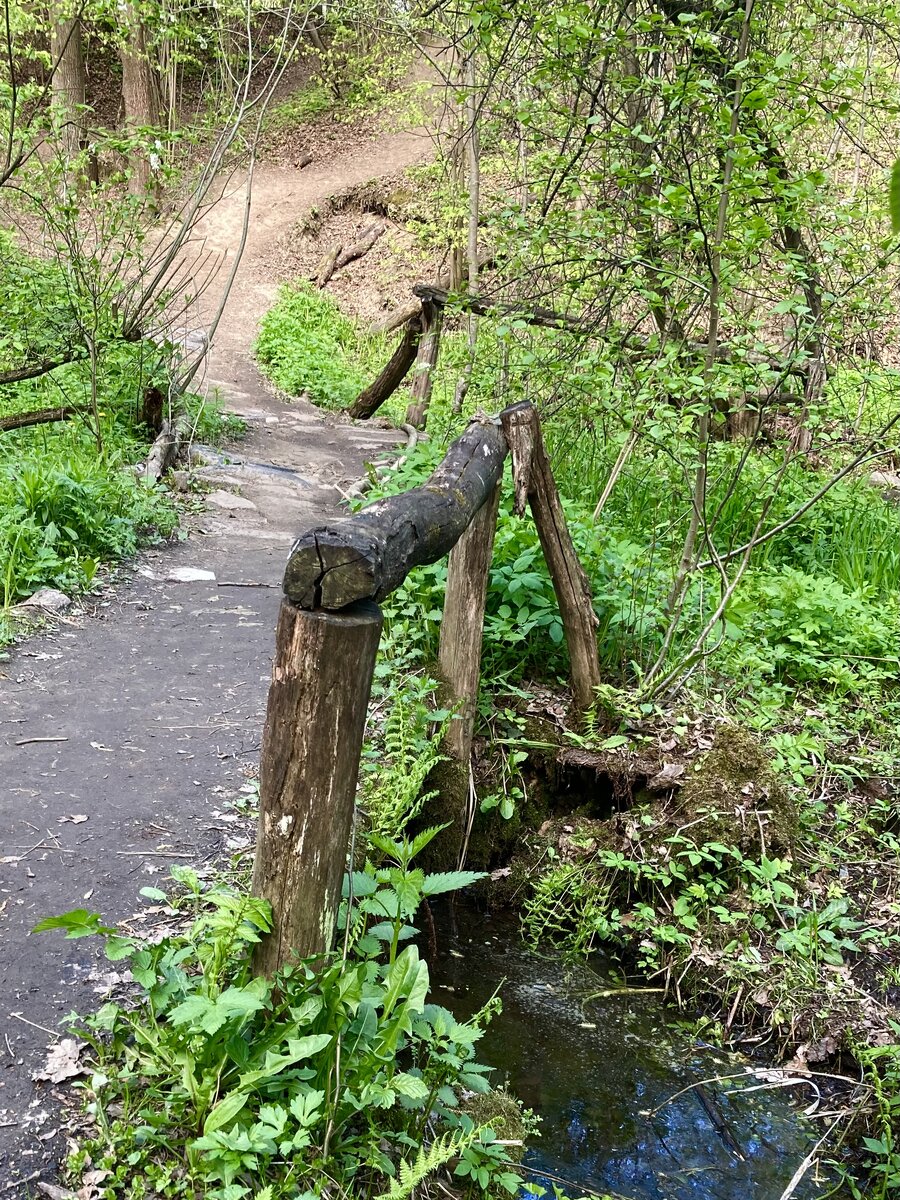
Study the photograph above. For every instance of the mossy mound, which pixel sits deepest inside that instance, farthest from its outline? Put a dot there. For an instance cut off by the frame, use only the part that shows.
(503, 1113)
(738, 798)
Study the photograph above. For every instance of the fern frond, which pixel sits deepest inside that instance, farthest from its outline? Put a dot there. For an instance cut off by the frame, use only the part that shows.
(427, 1161)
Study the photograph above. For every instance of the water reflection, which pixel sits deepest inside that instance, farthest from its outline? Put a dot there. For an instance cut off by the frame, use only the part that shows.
(603, 1073)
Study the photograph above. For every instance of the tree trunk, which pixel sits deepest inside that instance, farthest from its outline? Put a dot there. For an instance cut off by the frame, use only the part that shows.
(140, 93)
(321, 679)
(69, 86)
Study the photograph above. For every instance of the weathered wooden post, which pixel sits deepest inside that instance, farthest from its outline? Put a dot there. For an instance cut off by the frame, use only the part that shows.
(392, 375)
(462, 625)
(426, 361)
(534, 482)
(321, 680)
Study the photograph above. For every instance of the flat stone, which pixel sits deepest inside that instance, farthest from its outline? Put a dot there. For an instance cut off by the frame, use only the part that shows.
(228, 500)
(189, 575)
(47, 598)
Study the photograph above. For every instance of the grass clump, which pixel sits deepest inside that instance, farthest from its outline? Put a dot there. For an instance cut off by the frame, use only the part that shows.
(306, 345)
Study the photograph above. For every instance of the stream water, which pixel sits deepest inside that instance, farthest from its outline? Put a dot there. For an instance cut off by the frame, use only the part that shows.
(603, 1074)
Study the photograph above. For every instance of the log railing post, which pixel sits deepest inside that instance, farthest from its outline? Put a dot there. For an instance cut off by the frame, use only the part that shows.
(372, 397)
(462, 625)
(534, 480)
(426, 361)
(315, 720)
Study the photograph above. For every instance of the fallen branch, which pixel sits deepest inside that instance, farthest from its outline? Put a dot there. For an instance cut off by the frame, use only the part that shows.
(325, 269)
(39, 416)
(365, 243)
(36, 370)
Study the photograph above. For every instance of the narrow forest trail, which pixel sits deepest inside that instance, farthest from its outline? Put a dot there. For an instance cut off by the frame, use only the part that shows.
(126, 730)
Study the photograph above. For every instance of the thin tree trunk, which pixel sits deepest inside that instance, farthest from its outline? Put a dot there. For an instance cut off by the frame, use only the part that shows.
(69, 88)
(140, 93)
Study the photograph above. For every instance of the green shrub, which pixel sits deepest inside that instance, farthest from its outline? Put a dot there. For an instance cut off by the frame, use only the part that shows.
(305, 344)
(335, 1074)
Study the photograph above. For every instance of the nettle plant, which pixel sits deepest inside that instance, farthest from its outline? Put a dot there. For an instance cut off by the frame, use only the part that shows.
(336, 1077)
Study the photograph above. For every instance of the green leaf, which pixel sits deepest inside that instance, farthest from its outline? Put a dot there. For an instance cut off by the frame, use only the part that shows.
(410, 1086)
(153, 893)
(225, 1111)
(118, 948)
(449, 881)
(77, 923)
(894, 197)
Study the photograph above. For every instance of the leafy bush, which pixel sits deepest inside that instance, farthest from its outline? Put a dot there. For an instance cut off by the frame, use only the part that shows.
(305, 345)
(60, 518)
(335, 1073)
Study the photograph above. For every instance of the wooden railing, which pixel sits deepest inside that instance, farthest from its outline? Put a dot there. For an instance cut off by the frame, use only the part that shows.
(326, 641)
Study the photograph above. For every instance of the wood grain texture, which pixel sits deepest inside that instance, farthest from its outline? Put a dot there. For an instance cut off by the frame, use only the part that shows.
(368, 555)
(462, 626)
(534, 476)
(312, 740)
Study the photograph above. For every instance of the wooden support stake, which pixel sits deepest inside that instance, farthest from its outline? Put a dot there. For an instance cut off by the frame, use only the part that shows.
(321, 679)
(462, 625)
(371, 398)
(534, 478)
(423, 380)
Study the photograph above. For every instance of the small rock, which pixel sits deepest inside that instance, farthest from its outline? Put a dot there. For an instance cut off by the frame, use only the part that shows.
(886, 479)
(181, 481)
(47, 598)
(228, 500)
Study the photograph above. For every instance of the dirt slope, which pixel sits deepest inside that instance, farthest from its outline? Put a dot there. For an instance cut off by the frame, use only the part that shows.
(156, 690)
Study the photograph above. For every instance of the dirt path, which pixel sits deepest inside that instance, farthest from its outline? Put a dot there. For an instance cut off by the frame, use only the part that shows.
(154, 693)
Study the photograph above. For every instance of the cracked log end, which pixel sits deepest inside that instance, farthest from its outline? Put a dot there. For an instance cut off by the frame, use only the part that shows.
(331, 569)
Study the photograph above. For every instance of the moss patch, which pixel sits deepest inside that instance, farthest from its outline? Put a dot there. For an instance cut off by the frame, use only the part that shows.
(738, 798)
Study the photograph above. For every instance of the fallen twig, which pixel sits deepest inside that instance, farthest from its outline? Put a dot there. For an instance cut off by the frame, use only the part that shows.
(28, 741)
(152, 854)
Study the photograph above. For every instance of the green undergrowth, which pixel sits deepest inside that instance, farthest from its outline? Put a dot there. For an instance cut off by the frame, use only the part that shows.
(70, 498)
(780, 926)
(336, 1077)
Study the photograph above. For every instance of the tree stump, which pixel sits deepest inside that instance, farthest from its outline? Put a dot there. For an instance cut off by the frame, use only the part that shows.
(321, 679)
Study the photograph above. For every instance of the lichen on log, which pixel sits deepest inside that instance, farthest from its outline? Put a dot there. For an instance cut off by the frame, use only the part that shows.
(368, 555)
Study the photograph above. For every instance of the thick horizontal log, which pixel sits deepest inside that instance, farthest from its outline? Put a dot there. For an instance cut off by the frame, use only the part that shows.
(38, 416)
(483, 306)
(368, 555)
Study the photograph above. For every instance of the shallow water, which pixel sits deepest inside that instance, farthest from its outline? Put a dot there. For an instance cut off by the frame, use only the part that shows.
(603, 1075)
